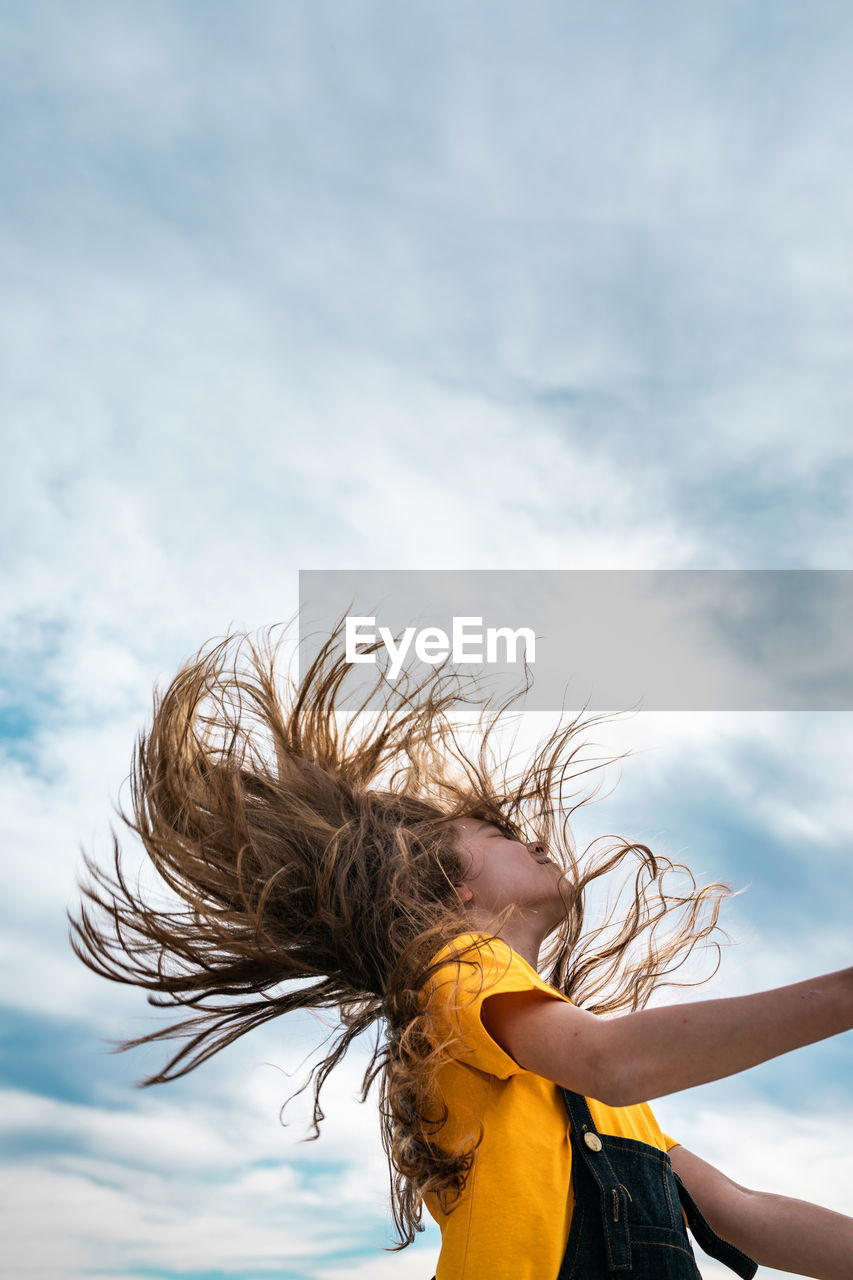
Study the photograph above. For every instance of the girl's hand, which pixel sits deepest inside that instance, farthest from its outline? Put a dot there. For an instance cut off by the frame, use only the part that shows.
(790, 1235)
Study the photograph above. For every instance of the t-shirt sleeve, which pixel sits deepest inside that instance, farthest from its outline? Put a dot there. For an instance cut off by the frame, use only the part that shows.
(488, 968)
(670, 1142)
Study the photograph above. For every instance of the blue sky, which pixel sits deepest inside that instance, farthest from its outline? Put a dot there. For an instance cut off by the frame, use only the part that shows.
(369, 285)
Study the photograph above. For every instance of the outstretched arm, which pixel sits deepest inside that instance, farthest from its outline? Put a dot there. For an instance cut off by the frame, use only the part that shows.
(653, 1052)
(777, 1231)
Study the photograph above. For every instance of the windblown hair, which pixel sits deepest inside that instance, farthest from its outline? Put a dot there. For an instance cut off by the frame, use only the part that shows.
(312, 865)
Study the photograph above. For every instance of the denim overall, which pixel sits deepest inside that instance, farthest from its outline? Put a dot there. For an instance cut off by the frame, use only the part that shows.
(627, 1216)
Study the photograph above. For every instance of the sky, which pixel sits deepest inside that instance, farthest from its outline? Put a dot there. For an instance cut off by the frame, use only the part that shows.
(363, 285)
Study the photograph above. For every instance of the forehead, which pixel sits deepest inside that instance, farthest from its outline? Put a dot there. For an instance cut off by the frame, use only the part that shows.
(472, 826)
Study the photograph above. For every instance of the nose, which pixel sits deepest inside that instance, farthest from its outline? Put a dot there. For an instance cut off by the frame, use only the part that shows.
(536, 847)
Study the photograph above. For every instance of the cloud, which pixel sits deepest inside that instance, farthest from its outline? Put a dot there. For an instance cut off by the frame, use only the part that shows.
(170, 1189)
(190, 1185)
(416, 287)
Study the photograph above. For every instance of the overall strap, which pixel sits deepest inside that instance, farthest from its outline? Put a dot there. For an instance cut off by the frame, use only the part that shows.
(614, 1202)
(715, 1246)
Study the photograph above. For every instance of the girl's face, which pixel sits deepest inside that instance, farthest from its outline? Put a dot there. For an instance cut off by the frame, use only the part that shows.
(502, 871)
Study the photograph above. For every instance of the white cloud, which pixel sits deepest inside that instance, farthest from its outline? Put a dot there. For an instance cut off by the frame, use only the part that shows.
(319, 290)
(204, 1184)
(172, 1186)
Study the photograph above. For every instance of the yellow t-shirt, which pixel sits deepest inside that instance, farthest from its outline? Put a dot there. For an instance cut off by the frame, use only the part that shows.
(512, 1221)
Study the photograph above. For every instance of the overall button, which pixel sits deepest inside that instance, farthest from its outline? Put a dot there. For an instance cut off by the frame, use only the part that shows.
(593, 1141)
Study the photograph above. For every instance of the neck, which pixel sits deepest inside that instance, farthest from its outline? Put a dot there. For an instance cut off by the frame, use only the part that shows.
(524, 932)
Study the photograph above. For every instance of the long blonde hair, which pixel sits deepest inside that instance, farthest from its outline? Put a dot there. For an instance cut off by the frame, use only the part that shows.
(314, 866)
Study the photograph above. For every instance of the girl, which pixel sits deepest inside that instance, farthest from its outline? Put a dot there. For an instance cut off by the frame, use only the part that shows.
(375, 864)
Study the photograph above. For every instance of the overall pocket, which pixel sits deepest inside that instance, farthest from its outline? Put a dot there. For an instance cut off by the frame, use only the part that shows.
(646, 1177)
